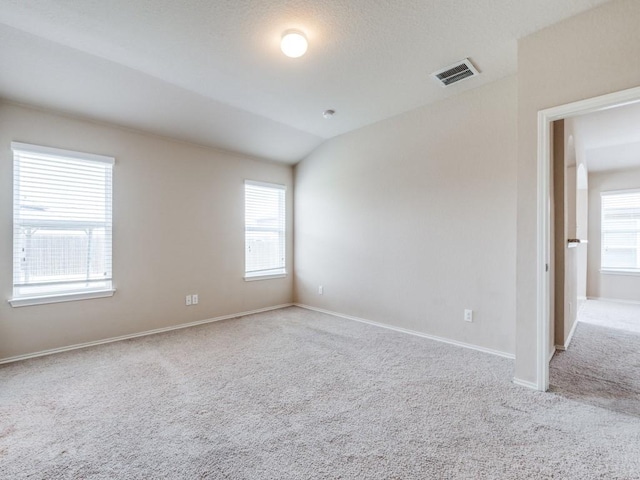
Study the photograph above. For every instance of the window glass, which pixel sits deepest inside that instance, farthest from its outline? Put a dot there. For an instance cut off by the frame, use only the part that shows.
(62, 221)
(621, 231)
(264, 229)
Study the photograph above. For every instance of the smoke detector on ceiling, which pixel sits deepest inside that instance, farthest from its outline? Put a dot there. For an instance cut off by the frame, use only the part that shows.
(455, 73)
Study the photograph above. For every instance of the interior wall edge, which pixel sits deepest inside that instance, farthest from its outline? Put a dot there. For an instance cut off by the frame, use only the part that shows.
(407, 331)
(146, 333)
(178, 229)
(138, 131)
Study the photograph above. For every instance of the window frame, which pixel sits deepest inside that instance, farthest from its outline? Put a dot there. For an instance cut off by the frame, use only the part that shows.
(613, 270)
(279, 272)
(60, 295)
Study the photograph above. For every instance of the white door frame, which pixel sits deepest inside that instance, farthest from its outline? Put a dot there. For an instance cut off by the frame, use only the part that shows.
(545, 117)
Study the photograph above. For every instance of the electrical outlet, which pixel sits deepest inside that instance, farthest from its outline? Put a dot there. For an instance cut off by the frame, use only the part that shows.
(187, 300)
(194, 299)
(320, 290)
(468, 315)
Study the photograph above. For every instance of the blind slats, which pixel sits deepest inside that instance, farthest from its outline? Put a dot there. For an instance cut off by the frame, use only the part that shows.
(620, 231)
(62, 221)
(264, 229)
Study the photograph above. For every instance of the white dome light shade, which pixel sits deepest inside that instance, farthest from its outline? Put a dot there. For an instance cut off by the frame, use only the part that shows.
(293, 44)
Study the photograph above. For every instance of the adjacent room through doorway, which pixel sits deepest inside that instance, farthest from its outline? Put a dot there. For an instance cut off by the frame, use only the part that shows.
(596, 255)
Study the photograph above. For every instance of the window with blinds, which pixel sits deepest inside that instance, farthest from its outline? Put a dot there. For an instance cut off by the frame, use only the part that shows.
(264, 219)
(621, 231)
(61, 224)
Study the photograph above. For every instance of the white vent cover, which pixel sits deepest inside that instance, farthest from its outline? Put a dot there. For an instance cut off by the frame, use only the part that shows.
(455, 73)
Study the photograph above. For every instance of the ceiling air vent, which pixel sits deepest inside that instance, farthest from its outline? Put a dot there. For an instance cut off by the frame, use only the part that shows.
(455, 73)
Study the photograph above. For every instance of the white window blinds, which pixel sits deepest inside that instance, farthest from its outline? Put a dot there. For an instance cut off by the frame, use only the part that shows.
(621, 231)
(61, 222)
(264, 229)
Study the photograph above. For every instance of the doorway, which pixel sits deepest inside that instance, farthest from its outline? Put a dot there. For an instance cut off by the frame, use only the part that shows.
(545, 283)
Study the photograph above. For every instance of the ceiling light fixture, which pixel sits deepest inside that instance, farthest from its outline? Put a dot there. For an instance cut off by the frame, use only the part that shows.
(294, 43)
(328, 113)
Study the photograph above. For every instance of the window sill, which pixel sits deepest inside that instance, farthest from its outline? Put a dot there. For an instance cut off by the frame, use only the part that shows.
(63, 297)
(264, 277)
(620, 272)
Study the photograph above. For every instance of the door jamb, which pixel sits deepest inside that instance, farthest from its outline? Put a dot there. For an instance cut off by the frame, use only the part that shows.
(545, 117)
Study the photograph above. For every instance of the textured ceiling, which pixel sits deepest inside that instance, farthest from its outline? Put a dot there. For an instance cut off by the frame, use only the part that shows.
(210, 71)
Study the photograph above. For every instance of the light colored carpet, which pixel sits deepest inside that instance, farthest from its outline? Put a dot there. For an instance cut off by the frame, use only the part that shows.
(621, 316)
(294, 394)
(602, 365)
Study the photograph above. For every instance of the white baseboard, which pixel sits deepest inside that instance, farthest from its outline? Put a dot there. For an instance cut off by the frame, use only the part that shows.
(77, 346)
(615, 300)
(524, 383)
(569, 338)
(410, 332)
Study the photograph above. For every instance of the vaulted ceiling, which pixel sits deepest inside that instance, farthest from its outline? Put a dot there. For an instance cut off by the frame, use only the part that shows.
(609, 139)
(211, 72)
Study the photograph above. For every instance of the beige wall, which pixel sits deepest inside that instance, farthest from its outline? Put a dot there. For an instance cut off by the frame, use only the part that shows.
(407, 221)
(411, 220)
(178, 229)
(583, 57)
(618, 287)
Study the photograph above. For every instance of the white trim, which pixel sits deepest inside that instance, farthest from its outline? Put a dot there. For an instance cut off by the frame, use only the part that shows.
(524, 383)
(510, 356)
(552, 353)
(253, 278)
(28, 148)
(545, 117)
(569, 338)
(280, 229)
(63, 297)
(604, 271)
(571, 333)
(77, 346)
(543, 259)
(615, 300)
